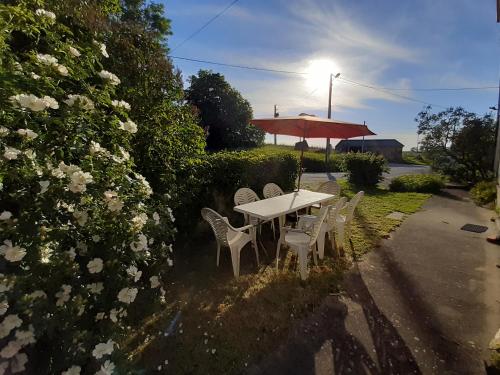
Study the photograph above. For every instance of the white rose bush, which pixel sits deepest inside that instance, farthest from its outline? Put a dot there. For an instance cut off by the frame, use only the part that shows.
(83, 248)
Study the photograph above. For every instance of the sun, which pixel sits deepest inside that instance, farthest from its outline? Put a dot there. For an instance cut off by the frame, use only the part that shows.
(318, 74)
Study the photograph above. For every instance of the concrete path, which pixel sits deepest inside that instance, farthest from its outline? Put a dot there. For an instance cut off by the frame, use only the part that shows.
(427, 301)
(395, 171)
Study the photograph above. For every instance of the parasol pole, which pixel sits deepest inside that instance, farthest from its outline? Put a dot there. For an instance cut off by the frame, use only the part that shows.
(301, 156)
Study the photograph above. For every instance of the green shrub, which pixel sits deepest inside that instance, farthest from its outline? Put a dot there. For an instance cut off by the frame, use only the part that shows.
(314, 160)
(83, 247)
(214, 179)
(484, 192)
(364, 169)
(418, 183)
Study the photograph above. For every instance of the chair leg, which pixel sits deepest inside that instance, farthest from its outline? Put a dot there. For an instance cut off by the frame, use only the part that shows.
(341, 228)
(278, 252)
(254, 245)
(218, 253)
(321, 244)
(274, 230)
(302, 254)
(315, 257)
(235, 259)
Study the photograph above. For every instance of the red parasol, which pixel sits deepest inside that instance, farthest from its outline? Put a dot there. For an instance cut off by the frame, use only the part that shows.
(311, 127)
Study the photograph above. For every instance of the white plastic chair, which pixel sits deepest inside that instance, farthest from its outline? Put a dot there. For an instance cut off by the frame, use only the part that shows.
(233, 238)
(246, 195)
(343, 222)
(302, 242)
(328, 226)
(329, 187)
(272, 190)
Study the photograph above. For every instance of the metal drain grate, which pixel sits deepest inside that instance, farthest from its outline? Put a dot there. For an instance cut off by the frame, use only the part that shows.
(474, 228)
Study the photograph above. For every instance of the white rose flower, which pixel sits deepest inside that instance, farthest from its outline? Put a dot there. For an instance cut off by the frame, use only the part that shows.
(50, 102)
(102, 47)
(12, 253)
(139, 221)
(44, 185)
(10, 350)
(96, 148)
(27, 133)
(109, 77)
(115, 205)
(4, 306)
(99, 316)
(71, 253)
(74, 52)
(120, 104)
(102, 349)
(79, 181)
(3, 131)
(96, 238)
(34, 75)
(140, 244)
(38, 294)
(5, 215)
(128, 126)
(18, 363)
(170, 262)
(81, 217)
(156, 218)
(106, 369)
(73, 370)
(125, 154)
(11, 153)
(45, 13)
(9, 323)
(25, 337)
(155, 282)
(95, 288)
(95, 265)
(62, 70)
(63, 296)
(81, 100)
(46, 59)
(127, 295)
(134, 272)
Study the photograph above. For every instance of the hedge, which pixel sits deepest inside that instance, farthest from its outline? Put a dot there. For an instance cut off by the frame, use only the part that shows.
(484, 192)
(364, 169)
(419, 183)
(211, 181)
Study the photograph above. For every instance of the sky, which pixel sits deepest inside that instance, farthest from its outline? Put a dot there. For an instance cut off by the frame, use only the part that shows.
(404, 44)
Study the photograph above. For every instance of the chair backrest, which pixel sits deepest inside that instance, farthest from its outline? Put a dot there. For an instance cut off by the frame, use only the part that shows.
(335, 210)
(351, 206)
(330, 187)
(316, 225)
(272, 190)
(245, 195)
(218, 223)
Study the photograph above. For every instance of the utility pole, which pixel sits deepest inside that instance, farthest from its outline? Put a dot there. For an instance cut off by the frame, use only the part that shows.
(276, 114)
(327, 153)
(497, 149)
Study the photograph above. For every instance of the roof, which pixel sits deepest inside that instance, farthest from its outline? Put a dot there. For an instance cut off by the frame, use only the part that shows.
(369, 142)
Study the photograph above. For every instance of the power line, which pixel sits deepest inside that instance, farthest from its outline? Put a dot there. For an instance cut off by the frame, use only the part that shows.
(348, 81)
(307, 73)
(344, 80)
(238, 66)
(205, 25)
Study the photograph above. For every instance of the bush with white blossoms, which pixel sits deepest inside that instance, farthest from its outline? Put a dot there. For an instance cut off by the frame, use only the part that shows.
(83, 249)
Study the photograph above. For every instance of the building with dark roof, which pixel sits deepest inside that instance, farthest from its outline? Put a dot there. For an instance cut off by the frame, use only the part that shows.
(391, 149)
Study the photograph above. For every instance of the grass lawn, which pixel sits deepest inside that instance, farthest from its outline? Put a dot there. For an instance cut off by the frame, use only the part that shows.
(227, 324)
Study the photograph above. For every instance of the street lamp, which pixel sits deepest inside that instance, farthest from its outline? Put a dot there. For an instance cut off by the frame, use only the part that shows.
(327, 153)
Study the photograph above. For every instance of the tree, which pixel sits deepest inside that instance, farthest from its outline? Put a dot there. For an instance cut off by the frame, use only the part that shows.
(169, 141)
(224, 114)
(451, 139)
(84, 247)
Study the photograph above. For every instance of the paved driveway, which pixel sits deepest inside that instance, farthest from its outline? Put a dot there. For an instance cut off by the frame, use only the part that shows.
(425, 302)
(395, 171)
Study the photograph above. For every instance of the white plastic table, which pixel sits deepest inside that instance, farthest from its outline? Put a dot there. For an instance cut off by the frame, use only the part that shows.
(271, 208)
(278, 207)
